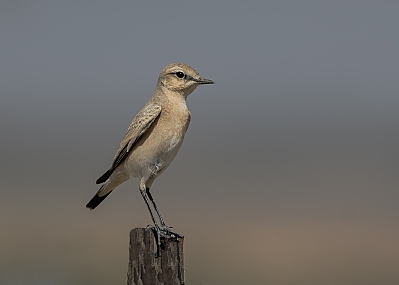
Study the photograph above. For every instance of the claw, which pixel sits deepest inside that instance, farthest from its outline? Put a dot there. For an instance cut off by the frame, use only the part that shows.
(167, 233)
(161, 234)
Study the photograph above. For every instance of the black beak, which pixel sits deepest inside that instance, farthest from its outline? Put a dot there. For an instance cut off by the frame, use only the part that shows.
(202, 80)
(205, 81)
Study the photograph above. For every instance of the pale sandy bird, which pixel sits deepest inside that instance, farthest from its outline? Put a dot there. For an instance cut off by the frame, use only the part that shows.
(154, 137)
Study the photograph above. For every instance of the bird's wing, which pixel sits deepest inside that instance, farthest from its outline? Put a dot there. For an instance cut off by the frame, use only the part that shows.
(137, 128)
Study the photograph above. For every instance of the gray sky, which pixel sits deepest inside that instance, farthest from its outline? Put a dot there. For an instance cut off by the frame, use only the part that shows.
(293, 152)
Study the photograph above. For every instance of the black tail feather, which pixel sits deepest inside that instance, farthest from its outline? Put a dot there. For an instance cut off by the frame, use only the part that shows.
(96, 200)
(104, 177)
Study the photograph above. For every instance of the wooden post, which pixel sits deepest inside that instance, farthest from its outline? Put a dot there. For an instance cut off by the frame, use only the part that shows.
(146, 268)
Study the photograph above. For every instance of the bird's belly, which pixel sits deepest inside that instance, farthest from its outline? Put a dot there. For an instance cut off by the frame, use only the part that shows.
(152, 156)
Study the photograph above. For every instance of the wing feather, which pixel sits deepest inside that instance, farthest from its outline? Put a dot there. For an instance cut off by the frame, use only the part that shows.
(137, 128)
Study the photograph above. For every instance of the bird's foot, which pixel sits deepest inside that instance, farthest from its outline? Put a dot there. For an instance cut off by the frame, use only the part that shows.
(162, 234)
(168, 233)
(164, 231)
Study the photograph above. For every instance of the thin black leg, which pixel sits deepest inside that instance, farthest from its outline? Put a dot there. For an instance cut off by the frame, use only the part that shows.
(163, 232)
(156, 228)
(155, 207)
(149, 208)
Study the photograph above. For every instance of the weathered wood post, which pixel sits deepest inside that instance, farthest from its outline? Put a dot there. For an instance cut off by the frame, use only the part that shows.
(147, 267)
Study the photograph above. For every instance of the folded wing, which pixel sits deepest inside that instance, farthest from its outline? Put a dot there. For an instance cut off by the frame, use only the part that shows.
(137, 128)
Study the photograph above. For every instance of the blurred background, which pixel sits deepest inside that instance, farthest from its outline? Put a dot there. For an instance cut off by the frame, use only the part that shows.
(289, 170)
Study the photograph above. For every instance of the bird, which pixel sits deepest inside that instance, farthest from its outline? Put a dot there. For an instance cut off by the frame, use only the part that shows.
(153, 138)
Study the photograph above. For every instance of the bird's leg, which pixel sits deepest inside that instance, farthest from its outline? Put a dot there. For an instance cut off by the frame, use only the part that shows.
(166, 232)
(155, 207)
(143, 193)
(160, 233)
(156, 228)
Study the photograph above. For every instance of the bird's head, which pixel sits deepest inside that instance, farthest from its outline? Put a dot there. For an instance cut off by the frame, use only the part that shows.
(181, 78)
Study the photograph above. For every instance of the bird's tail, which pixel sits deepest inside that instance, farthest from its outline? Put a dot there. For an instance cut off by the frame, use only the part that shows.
(101, 194)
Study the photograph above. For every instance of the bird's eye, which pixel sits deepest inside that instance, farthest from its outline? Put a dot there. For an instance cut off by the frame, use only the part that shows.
(180, 74)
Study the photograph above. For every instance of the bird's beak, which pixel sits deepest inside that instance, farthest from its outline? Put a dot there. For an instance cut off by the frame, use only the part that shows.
(203, 81)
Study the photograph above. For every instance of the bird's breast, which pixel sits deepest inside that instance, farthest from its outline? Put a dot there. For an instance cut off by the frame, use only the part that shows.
(160, 144)
(173, 134)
